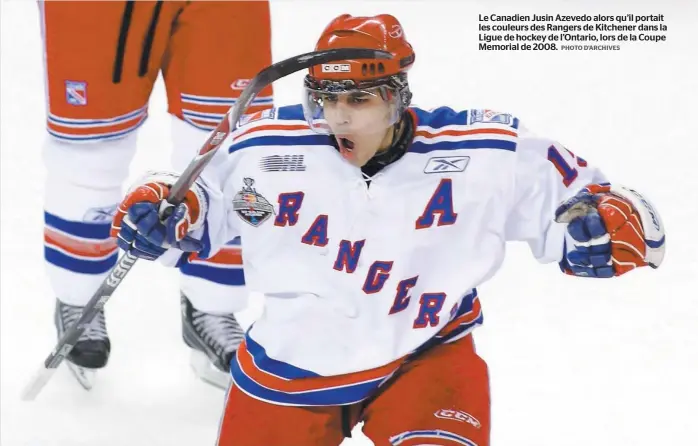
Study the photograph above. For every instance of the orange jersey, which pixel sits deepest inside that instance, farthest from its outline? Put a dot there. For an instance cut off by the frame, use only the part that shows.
(102, 60)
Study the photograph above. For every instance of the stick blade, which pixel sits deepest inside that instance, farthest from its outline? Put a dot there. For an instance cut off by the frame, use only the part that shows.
(38, 381)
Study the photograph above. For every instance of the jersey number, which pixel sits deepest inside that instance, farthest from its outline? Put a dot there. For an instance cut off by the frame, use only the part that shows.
(569, 173)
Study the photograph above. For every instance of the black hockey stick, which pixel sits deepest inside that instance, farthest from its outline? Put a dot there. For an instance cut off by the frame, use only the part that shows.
(178, 191)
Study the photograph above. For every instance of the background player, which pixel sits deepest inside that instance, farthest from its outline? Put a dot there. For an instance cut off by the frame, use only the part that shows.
(102, 60)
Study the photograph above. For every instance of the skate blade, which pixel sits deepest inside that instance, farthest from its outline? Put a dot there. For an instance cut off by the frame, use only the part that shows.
(85, 377)
(207, 372)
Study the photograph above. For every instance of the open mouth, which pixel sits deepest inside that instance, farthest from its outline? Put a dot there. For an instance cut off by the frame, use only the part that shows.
(346, 146)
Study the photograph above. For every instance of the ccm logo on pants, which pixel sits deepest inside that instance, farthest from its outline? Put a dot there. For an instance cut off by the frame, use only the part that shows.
(457, 415)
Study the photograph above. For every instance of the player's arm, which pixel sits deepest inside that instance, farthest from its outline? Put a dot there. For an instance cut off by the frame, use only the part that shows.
(201, 223)
(568, 212)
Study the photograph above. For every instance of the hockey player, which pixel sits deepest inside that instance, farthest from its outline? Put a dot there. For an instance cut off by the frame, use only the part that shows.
(368, 225)
(102, 60)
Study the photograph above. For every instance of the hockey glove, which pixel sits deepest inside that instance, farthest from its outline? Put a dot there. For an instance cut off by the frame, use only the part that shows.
(146, 225)
(610, 231)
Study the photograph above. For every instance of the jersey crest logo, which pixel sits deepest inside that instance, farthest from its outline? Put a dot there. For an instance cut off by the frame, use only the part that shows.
(251, 206)
(76, 92)
(486, 116)
(442, 164)
(268, 113)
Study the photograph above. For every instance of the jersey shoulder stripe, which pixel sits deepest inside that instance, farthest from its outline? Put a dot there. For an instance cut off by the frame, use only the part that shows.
(283, 126)
(446, 129)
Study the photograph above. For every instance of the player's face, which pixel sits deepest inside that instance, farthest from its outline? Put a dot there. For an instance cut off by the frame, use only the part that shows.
(360, 122)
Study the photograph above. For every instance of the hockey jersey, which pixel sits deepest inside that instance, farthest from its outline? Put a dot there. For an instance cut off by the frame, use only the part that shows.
(357, 277)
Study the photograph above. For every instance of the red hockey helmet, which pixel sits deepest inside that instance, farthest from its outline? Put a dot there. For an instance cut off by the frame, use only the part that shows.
(384, 77)
(382, 32)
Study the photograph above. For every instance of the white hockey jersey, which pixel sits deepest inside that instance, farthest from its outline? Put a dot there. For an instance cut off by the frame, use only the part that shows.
(358, 277)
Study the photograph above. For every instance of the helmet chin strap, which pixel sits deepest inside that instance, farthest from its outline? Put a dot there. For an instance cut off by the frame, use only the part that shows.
(403, 131)
(397, 131)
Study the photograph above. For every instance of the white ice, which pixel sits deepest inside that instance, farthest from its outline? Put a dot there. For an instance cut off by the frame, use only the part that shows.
(572, 361)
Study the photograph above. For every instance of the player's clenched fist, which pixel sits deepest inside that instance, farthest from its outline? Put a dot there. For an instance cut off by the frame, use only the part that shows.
(610, 231)
(146, 225)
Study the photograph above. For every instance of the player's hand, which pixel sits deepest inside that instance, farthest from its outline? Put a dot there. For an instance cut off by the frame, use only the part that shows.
(610, 231)
(146, 225)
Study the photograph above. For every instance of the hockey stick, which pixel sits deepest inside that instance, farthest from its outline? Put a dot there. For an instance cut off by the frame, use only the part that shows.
(178, 191)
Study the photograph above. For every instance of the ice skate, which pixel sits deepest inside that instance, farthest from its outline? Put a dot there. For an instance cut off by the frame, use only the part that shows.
(91, 352)
(213, 339)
